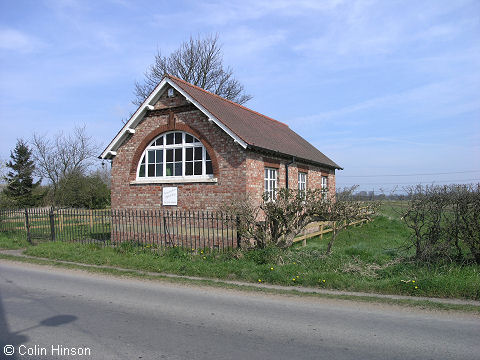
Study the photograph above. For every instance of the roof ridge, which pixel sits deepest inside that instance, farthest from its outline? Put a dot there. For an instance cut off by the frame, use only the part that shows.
(222, 98)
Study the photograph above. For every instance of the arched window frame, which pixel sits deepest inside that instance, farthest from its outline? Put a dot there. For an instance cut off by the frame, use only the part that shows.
(183, 146)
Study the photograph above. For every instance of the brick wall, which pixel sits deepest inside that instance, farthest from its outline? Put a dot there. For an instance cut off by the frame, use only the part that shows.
(238, 172)
(228, 161)
(256, 164)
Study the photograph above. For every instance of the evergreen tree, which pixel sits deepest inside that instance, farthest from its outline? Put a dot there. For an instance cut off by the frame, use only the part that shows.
(20, 178)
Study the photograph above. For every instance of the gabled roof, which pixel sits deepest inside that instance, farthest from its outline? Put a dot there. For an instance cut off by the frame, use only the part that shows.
(247, 127)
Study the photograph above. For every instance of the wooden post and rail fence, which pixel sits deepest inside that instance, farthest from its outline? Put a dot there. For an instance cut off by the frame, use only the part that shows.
(321, 228)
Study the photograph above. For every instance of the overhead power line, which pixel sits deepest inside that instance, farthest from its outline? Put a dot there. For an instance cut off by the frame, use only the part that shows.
(410, 183)
(442, 173)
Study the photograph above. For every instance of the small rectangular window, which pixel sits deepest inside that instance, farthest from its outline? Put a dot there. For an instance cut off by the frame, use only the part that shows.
(324, 183)
(271, 183)
(302, 182)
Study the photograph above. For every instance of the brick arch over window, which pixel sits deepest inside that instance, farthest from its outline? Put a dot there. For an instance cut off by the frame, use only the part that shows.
(176, 127)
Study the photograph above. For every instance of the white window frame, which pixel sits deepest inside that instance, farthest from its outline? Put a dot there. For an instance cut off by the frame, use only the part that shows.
(302, 181)
(270, 183)
(324, 183)
(183, 146)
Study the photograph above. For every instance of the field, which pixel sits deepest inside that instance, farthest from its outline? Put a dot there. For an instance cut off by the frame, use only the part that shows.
(370, 258)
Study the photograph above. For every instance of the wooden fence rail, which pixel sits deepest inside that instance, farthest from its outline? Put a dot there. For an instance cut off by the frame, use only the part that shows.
(323, 227)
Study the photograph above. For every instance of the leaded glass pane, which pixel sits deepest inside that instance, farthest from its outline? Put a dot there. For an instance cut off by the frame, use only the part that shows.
(189, 154)
(151, 169)
(178, 169)
(198, 153)
(209, 167)
(178, 138)
(159, 156)
(178, 154)
(189, 168)
(169, 169)
(198, 168)
(169, 155)
(151, 156)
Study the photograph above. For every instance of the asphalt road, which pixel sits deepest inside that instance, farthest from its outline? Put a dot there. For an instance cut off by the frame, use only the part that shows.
(46, 311)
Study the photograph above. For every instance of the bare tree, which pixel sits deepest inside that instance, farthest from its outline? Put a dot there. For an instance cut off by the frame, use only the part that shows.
(62, 155)
(199, 62)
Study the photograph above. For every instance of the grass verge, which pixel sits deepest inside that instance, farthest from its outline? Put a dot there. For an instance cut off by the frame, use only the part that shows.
(420, 304)
(13, 240)
(365, 259)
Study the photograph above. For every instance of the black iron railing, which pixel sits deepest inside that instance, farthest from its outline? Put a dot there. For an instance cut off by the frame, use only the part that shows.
(155, 229)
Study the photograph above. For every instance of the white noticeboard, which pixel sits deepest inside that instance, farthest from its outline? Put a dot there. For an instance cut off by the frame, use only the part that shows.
(169, 196)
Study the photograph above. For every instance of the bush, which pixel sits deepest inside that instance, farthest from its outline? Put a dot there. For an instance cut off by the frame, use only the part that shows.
(445, 222)
(80, 191)
(277, 223)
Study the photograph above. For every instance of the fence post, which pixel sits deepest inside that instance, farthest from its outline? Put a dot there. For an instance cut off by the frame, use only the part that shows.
(239, 237)
(321, 230)
(52, 223)
(60, 221)
(27, 227)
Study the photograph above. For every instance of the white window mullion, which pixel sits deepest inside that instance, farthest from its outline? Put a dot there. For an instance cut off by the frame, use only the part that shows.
(204, 165)
(164, 157)
(183, 157)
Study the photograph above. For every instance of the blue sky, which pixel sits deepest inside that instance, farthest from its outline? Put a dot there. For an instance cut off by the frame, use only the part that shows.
(381, 87)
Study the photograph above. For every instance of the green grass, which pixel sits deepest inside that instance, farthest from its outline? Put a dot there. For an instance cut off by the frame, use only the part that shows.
(422, 304)
(367, 258)
(13, 240)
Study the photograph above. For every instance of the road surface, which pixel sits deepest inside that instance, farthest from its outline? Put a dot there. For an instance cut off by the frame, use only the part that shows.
(46, 312)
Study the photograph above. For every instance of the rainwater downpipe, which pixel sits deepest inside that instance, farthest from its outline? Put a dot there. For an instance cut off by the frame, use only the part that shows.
(286, 170)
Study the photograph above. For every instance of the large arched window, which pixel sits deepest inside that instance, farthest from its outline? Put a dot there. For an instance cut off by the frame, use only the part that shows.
(175, 154)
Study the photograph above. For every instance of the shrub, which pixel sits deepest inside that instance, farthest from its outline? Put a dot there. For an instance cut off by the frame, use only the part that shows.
(445, 222)
(277, 223)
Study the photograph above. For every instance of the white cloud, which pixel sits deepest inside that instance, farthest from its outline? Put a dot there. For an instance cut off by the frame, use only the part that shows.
(442, 99)
(14, 40)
